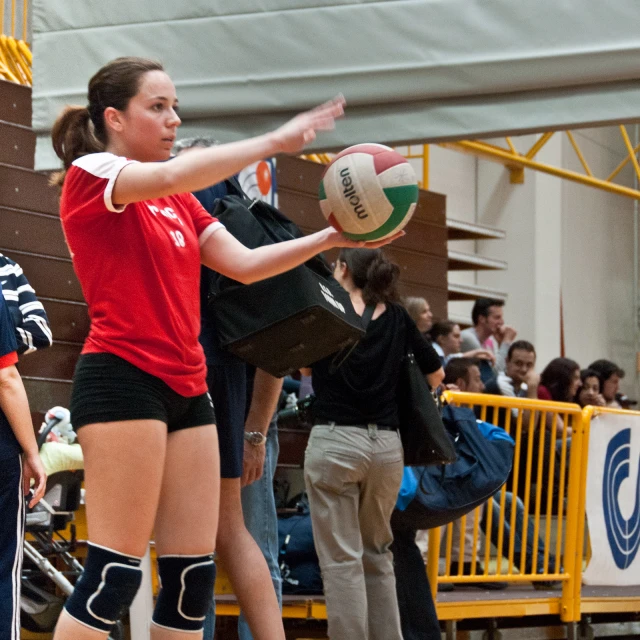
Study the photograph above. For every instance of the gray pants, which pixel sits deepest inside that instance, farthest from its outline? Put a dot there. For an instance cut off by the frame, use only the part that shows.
(353, 476)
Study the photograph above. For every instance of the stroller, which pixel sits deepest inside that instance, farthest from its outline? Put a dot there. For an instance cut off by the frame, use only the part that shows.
(50, 569)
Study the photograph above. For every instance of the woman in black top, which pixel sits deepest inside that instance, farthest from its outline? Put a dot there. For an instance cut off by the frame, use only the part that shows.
(353, 463)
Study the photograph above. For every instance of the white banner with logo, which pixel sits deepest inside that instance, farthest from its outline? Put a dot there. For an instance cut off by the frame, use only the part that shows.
(613, 500)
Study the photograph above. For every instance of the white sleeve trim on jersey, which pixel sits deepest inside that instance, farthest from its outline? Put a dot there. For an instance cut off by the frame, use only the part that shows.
(209, 231)
(107, 166)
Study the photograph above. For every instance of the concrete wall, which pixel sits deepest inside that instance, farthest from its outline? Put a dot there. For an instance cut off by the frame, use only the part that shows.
(563, 239)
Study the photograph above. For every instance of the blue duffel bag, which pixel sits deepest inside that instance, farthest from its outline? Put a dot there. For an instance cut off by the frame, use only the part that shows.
(298, 560)
(444, 493)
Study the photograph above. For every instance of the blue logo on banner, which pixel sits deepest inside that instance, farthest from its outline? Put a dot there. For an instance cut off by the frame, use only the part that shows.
(624, 535)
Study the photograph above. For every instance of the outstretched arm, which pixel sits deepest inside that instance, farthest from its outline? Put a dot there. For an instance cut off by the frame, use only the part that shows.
(203, 167)
(221, 252)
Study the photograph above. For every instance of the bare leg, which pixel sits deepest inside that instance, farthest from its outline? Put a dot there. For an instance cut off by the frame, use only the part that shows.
(187, 517)
(246, 567)
(123, 474)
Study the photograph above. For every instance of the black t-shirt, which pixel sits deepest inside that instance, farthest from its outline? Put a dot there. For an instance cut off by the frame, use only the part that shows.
(363, 389)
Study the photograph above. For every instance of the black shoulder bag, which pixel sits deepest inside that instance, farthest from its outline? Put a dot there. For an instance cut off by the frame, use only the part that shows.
(424, 438)
(287, 321)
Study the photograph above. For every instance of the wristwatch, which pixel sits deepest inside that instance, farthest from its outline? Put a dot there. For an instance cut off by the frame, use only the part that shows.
(256, 438)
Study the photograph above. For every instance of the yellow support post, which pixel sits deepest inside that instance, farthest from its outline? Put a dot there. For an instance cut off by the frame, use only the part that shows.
(576, 148)
(630, 149)
(542, 140)
(433, 560)
(623, 164)
(425, 166)
(25, 22)
(512, 146)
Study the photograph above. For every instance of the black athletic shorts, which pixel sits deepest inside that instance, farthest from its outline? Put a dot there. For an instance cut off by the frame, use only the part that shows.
(107, 388)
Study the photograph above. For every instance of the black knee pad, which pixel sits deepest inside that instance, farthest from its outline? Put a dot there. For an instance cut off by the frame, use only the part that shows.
(105, 590)
(186, 589)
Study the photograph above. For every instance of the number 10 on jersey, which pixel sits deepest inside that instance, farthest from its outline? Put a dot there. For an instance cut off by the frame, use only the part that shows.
(178, 238)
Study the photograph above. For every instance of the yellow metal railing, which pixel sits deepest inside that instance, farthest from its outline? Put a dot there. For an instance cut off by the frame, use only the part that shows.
(544, 494)
(15, 55)
(607, 602)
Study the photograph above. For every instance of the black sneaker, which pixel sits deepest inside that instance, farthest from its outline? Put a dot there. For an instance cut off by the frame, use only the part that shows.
(445, 587)
(466, 571)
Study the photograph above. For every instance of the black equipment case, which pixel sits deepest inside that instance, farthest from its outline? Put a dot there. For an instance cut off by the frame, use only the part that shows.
(287, 321)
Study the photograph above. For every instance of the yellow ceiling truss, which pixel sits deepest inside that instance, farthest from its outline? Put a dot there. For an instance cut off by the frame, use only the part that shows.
(516, 162)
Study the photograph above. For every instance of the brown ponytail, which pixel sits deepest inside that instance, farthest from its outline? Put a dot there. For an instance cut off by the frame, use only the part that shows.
(373, 273)
(79, 131)
(73, 137)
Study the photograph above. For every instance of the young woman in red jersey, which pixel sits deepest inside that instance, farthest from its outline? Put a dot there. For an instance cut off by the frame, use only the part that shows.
(146, 424)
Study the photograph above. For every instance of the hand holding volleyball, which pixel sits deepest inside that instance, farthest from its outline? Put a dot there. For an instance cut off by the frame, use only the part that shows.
(337, 239)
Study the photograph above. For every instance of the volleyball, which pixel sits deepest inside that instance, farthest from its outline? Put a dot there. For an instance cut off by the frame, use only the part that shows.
(368, 192)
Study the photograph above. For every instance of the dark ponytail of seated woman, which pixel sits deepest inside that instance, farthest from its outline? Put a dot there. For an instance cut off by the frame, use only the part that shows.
(373, 273)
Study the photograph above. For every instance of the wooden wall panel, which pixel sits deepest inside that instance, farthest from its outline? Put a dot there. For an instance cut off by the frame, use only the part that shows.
(69, 320)
(418, 269)
(44, 394)
(51, 277)
(15, 103)
(25, 189)
(57, 362)
(32, 232)
(18, 145)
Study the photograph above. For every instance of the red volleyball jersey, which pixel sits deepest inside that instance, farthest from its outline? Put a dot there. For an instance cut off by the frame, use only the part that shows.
(139, 268)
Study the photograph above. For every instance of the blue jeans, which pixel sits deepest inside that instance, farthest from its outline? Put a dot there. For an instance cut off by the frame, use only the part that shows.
(519, 527)
(259, 510)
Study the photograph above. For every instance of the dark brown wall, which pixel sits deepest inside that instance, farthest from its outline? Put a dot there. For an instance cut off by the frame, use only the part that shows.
(421, 253)
(30, 234)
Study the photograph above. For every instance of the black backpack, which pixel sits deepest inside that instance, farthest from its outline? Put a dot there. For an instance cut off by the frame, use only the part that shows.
(287, 321)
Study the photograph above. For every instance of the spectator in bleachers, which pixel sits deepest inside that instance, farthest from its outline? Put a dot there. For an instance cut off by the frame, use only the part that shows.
(591, 390)
(420, 312)
(489, 332)
(29, 317)
(560, 380)
(446, 340)
(519, 379)
(464, 374)
(610, 375)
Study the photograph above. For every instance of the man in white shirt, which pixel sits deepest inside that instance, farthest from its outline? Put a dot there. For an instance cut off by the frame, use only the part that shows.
(489, 331)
